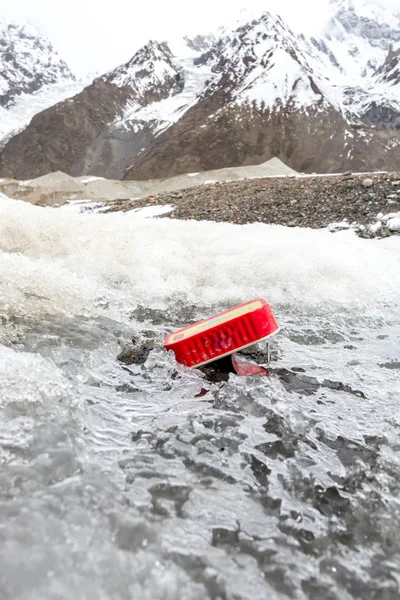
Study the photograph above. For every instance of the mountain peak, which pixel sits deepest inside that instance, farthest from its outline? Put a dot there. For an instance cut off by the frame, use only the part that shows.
(27, 61)
(150, 74)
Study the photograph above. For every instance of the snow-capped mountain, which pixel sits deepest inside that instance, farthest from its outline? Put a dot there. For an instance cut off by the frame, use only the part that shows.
(103, 128)
(150, 75)
(27, 62)
(321, 103)
(324, 102)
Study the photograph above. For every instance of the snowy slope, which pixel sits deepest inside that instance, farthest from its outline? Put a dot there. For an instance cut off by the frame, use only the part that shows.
(359, 34)
(150, 75)
(170, 66)
(169, 110)
(157, 64)
(359, 37)
(27, 62)
(266, 62)
(389, 73)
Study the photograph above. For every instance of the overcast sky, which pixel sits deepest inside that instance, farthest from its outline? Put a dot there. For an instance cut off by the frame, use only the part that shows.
(97, 35)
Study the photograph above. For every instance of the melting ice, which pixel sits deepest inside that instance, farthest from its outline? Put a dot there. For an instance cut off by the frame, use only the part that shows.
(117, 483)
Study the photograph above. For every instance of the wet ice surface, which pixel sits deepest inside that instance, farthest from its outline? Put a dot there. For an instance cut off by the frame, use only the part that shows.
(118, 483)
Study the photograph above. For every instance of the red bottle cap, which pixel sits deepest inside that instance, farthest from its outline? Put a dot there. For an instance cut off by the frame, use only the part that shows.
(223, 334)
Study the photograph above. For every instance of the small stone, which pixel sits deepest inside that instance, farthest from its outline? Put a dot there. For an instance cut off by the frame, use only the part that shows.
(367, 183)
(395, 183)
(370, 196)
(392, 197)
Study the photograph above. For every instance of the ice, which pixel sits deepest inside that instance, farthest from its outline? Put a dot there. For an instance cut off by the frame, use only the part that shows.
(30, 385)
(118, 482)
(66, 260)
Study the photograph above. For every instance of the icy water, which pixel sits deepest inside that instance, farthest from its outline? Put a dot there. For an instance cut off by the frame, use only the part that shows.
(118, 483)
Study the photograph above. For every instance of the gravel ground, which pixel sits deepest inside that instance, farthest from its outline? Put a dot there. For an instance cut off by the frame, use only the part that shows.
(295, 202)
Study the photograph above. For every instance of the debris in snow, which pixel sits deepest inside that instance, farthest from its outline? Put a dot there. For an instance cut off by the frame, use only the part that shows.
(385, 224)
(343, 225)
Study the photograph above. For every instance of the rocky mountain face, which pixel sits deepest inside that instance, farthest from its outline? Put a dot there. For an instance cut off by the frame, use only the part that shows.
(199, 43)
(27, 62)
(389, 72)
(320, 103)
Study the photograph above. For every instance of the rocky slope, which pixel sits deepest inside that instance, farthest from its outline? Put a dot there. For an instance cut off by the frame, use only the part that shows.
(322, 103)
(371, 205)
(27, 62)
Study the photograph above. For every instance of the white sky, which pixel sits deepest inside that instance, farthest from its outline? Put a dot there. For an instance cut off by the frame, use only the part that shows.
(97, 35)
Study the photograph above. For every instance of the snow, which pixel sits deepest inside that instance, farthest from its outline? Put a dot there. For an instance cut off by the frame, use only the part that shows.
(89, 179)
(151, 67)
(148, 212)
(278, 82)
(394, 224)
(164, 113)
(272, 66)
(27, 61)
(390, 221)
(55, 261)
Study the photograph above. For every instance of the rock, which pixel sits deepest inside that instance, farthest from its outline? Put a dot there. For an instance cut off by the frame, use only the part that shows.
(395, 183)
(392, 197)
(367, 183)
(370, 196)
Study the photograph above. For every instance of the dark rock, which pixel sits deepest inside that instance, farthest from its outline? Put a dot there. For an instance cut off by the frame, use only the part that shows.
(137, 353)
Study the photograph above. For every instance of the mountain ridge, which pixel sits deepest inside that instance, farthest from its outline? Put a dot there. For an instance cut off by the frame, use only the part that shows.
(321, 102)
(27, 62)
